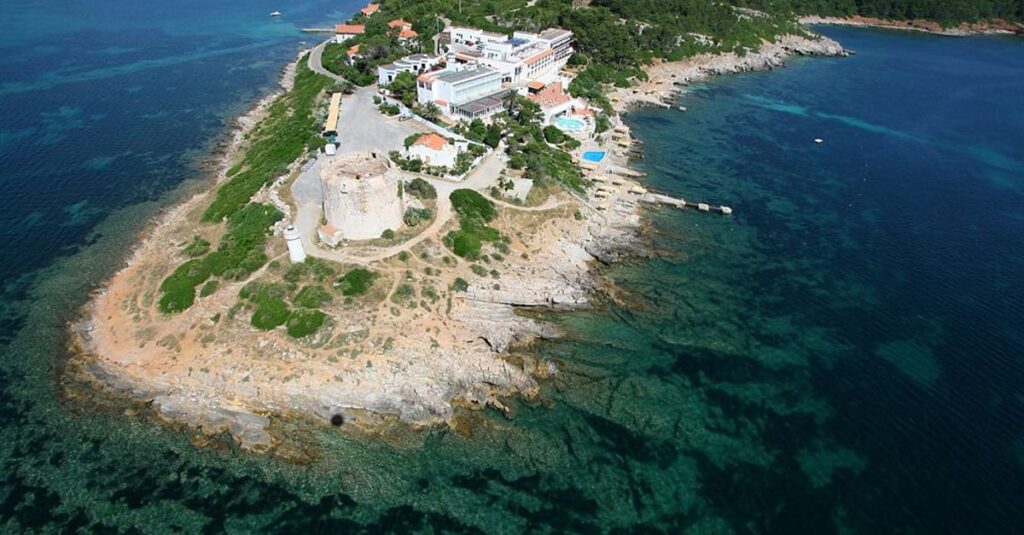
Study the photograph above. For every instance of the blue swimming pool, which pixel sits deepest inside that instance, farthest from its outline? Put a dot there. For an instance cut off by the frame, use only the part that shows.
(569, 124)
(593, 156)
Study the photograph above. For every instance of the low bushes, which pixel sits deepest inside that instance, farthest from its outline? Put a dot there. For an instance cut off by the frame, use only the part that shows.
(305, 322)
(421, 189)
(475, 211)
(355, 282)
(239, 254)
(270, 313)
(415, 216)
(312, 296)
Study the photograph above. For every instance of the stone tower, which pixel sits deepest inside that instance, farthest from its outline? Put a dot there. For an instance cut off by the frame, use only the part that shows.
(361, 197)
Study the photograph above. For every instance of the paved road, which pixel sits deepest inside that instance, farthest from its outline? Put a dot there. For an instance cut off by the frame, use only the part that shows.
(316, 63)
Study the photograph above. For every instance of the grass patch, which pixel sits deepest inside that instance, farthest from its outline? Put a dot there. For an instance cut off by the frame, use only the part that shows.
(240, 253)
(312, 296)
(178, 290)
(315, 268)
(289, 129)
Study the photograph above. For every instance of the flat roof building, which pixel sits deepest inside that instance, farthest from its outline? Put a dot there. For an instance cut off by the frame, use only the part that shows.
(521, 58)
(416, 64)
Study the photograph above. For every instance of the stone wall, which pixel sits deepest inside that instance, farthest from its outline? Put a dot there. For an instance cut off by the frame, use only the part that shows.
(361, 197)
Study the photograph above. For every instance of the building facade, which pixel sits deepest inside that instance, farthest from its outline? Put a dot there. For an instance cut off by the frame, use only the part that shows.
(416, 64)
(433, 149)
(521, 58)
(454, 87)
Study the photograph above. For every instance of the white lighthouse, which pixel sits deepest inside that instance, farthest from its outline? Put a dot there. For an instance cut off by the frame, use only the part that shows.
(294, 240)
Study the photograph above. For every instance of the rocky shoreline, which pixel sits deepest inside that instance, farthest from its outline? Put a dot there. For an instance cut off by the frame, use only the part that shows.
(225, 376)
(667, 79)
(964, 29)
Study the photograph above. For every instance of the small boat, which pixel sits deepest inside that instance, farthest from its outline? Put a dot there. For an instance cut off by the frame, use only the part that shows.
(681, 108)
(818, 140)
(275, 13)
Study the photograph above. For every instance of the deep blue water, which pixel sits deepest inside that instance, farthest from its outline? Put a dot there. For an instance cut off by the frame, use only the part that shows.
(843, 353)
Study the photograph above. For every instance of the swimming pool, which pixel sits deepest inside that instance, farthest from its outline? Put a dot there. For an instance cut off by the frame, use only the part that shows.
(593, 155)
(568, 124)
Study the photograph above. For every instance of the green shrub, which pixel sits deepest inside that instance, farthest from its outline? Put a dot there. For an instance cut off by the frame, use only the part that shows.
(460, 285)
(421, 189)
(208, 288)
(415, 216)
(179, 289)
(403, 292)
(305, 322)
(355, 282)
(312, 296)
(296, 272)
(469, 203)
(197, 248)
(388, 234)
(430, 293)
(553, 135)
(257, 292)
(269, 314)
(465, 244)
(478, 270)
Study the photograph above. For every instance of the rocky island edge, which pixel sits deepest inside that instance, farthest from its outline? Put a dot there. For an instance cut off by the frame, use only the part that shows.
(375, 366)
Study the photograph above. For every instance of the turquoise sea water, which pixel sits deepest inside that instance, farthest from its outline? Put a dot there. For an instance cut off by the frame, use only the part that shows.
(842, 354)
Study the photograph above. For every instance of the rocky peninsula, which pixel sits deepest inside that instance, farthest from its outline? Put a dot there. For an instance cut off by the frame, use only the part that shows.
(431, 334)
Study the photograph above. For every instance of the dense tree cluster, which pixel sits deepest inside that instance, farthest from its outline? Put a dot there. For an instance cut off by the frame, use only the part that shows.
(943, 11)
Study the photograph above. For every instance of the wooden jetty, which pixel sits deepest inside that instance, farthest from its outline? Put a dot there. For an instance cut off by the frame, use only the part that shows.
(658, 198)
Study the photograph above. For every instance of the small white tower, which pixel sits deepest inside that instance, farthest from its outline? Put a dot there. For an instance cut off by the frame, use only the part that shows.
(294, 241)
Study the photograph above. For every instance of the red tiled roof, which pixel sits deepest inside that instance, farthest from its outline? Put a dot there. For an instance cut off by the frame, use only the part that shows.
(353, 50)
(406, 34)
(399, 23)
(350, 29)
(536, 85)
(431, 141)
(370, 9)
(551, 96)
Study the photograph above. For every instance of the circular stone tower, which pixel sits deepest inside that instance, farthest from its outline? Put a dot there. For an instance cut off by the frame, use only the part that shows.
(361, 197)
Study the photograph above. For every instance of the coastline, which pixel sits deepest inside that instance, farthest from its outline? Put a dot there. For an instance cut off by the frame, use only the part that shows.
(964, 29)
(666, 80)
(471, 355)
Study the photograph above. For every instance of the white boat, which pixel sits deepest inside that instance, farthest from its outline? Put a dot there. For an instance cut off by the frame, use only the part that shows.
(819, 140)
(275, 13)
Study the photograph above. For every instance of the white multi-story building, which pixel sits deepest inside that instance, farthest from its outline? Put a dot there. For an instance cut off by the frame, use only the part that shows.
(416, 64)
(520, 59)
(462, 92)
